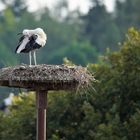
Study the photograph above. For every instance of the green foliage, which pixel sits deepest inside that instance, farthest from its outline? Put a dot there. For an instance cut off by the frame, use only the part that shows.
(67, 37)
(62, 38)
(104, 29)
(76, 52)
(127, 14)
(100, 28)
(110, 113)
(120, 88)
(20, 122)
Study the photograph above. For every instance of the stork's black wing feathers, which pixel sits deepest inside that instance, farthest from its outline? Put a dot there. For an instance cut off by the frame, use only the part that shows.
(20, 41)
(31, 45)
(21, 38)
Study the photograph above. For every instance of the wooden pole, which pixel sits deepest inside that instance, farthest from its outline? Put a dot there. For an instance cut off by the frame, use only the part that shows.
(41, 100)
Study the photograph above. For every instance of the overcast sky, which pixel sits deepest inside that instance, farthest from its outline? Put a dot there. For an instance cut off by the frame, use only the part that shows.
(73, 4)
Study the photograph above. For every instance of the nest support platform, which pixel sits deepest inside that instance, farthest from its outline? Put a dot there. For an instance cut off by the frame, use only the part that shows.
(42, 78)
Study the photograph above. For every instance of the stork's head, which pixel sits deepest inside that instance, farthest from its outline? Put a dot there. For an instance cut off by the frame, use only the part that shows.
(41, 33)
(26, 32)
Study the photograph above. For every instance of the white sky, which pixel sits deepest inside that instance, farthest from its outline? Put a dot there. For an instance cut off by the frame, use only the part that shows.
(73, 4)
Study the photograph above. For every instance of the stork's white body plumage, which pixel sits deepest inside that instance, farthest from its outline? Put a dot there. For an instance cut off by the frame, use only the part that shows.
(30, 41)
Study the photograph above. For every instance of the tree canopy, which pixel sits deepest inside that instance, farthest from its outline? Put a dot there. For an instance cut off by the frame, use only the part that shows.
(106, 110)
(112, 112)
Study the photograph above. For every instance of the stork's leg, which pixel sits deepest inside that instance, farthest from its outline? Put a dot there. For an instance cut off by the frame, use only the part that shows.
(34, 57)
(30, 58)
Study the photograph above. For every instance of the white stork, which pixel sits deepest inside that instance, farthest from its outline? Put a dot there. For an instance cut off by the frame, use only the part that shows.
(30, 41)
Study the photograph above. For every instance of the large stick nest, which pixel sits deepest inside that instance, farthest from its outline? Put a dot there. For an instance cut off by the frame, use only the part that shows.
(44, 77)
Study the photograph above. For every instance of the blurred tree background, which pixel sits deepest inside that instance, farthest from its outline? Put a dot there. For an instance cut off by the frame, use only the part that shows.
(112, 112)
(79, 37)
